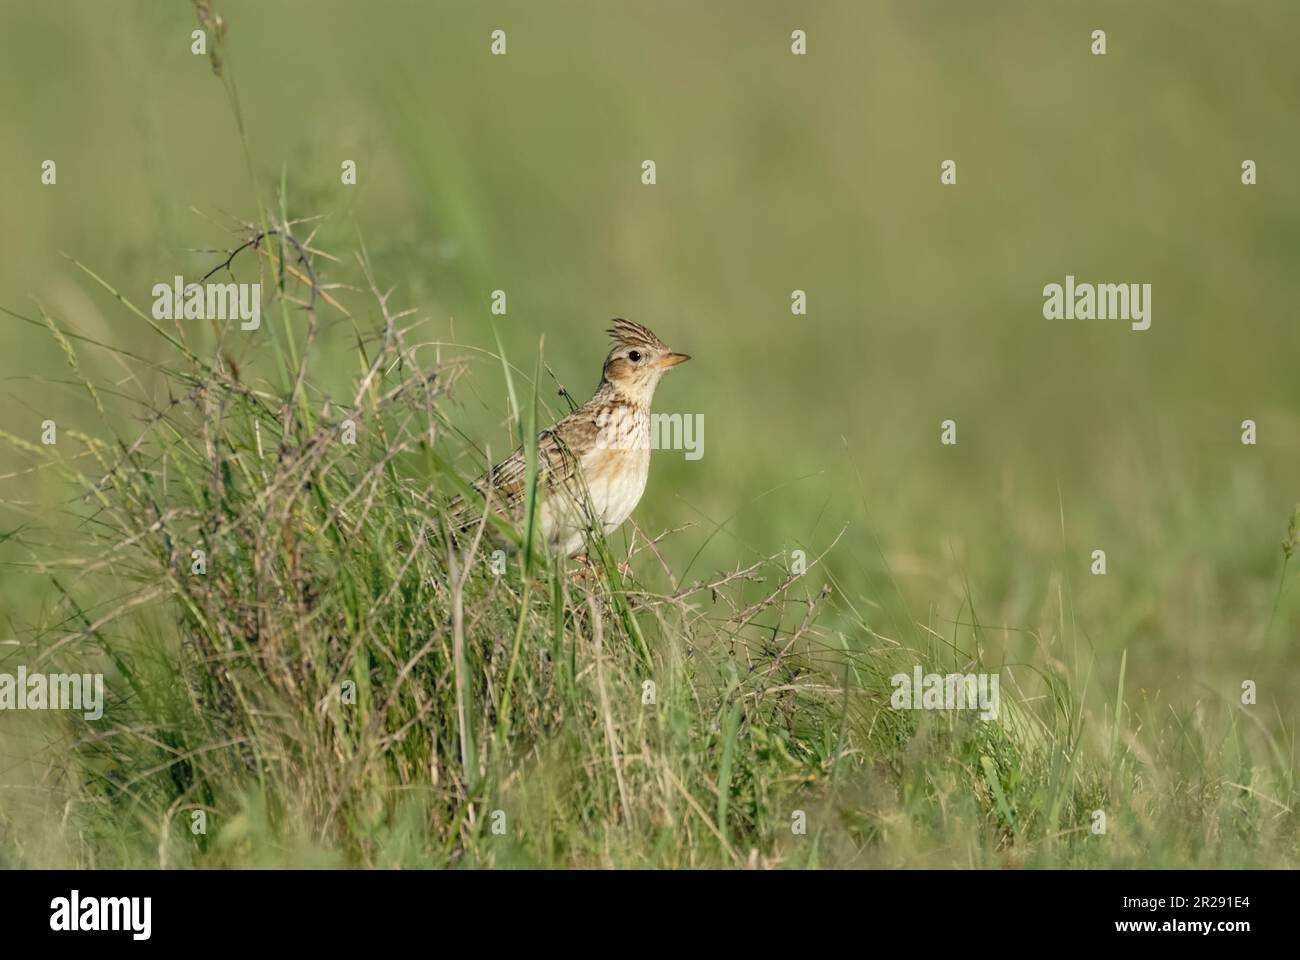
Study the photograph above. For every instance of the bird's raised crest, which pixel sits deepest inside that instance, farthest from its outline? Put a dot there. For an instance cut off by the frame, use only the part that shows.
(626, 333)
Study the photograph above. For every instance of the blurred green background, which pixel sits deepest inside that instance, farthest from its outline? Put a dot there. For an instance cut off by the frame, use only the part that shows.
(775, 172)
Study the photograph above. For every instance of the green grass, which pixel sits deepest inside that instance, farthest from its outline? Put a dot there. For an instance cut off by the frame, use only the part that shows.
(340, 684)
(343, 687)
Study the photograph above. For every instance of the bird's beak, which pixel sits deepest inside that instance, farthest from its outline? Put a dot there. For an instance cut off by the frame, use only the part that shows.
(672, 359)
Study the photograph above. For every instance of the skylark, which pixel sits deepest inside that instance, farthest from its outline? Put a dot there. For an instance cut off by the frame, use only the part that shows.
(592, 465)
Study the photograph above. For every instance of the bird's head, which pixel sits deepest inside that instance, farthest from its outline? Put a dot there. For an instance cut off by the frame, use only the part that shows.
(637, 361)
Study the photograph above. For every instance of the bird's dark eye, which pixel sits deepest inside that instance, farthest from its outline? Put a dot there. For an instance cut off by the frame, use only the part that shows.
(634, 356)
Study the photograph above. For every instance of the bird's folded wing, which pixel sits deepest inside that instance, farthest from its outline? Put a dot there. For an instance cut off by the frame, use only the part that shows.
(505, 485)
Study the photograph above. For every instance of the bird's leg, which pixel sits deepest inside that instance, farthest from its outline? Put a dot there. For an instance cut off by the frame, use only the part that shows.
(585, 567)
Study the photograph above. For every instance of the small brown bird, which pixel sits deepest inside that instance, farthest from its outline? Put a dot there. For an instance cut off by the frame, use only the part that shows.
(592, 465)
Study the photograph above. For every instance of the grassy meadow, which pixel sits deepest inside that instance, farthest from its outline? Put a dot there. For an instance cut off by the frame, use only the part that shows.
(343, 686)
